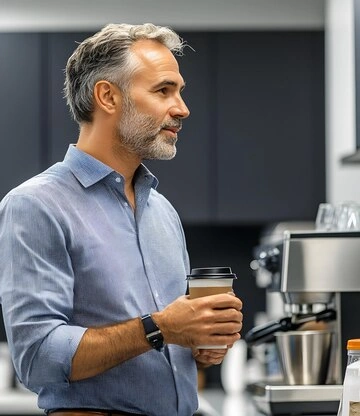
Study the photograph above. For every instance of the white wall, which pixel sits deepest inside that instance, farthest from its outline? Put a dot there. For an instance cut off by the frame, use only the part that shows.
(343, 181)
(53, 15)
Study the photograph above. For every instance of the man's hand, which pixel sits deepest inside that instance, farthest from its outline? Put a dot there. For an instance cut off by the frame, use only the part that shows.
(207, 357)
(209, 320)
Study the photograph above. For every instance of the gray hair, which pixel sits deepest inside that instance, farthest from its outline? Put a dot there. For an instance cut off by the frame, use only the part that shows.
(107, 56)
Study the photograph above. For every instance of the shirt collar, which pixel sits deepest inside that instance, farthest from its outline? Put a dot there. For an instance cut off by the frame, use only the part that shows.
(89, 170)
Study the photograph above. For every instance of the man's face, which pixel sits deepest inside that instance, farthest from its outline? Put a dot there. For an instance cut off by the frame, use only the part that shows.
(153, 109)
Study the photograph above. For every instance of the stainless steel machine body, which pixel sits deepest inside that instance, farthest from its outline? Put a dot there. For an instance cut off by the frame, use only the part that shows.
(313, 271)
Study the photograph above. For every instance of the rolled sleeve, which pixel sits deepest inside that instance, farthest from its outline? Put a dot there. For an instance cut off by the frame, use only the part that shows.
(36, 289)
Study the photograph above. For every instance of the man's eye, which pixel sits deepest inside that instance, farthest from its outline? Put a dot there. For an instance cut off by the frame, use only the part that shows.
(163, 90)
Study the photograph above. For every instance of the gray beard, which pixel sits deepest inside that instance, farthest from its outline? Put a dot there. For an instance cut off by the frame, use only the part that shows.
(140, 134)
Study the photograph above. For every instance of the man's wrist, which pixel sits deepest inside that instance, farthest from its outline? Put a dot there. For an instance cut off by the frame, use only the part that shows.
(153, 333)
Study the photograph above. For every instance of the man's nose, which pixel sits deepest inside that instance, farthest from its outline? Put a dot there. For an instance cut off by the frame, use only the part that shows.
(180, 109)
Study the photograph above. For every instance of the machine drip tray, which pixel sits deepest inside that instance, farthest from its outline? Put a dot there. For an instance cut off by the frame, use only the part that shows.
(277, 399)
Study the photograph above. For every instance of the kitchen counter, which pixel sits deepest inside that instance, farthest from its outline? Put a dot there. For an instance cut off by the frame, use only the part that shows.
(214, 402)
(217, 403)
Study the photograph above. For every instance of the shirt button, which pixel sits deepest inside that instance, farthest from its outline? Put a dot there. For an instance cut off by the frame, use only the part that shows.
(174, 368)
(126, 204)
(156, 294)
(118, 180)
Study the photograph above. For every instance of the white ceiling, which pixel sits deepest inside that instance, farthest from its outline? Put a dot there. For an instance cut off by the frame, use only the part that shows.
(73, 15)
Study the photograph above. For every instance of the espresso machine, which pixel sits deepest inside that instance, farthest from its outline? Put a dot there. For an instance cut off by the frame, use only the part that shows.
(317, 277)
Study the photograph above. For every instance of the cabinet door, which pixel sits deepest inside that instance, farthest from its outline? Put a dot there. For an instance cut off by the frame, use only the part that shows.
(63, 129)
(20, 115)
(187, 179)
(271, 140)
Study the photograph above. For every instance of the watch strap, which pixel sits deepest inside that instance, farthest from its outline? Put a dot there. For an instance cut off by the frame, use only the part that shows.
(152, 332)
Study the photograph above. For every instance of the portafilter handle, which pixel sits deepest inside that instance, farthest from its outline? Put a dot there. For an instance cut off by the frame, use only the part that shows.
(265, 333)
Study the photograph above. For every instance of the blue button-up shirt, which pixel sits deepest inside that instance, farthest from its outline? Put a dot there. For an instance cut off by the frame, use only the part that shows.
(74, 255)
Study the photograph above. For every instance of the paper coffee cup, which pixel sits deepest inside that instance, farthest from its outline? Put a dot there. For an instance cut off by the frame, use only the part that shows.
(206, 281)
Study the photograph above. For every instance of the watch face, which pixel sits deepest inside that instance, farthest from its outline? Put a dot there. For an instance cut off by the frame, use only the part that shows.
(156, 341)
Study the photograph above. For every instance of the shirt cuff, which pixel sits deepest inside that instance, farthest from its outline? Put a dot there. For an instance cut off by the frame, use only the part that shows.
(57, 351)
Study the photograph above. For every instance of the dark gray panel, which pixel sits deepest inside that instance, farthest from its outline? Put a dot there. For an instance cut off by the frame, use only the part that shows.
(271, 150)
(357, 68)
(20, 115)
(64, 130)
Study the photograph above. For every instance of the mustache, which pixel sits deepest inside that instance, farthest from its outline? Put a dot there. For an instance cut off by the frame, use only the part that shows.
(173, 123)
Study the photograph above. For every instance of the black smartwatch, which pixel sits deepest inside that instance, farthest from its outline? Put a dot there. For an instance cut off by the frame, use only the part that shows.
(152, 332)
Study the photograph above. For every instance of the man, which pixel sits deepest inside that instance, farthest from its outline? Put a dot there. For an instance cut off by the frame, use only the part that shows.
(93, 259)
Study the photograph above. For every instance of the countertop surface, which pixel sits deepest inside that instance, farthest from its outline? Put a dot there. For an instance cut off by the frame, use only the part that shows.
(18, 402)
(214, 402)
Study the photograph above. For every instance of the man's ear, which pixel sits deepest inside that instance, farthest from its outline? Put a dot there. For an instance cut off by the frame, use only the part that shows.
(106, 96)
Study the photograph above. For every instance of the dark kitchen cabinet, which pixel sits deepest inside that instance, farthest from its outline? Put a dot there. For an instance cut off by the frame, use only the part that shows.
(22, 132)
(270, 126)
(63, 129)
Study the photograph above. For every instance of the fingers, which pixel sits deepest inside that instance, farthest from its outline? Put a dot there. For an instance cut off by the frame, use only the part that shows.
(210, 320)
(225, 328)
(223, 301)
(229, 315)
(225, 339)
(214, 353)
(210, 356)
(220, 320)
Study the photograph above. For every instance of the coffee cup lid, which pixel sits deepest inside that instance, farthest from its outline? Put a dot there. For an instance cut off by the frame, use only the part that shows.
(211, 273)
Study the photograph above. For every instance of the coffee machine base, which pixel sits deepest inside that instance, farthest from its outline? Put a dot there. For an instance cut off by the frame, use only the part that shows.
(277, 399)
